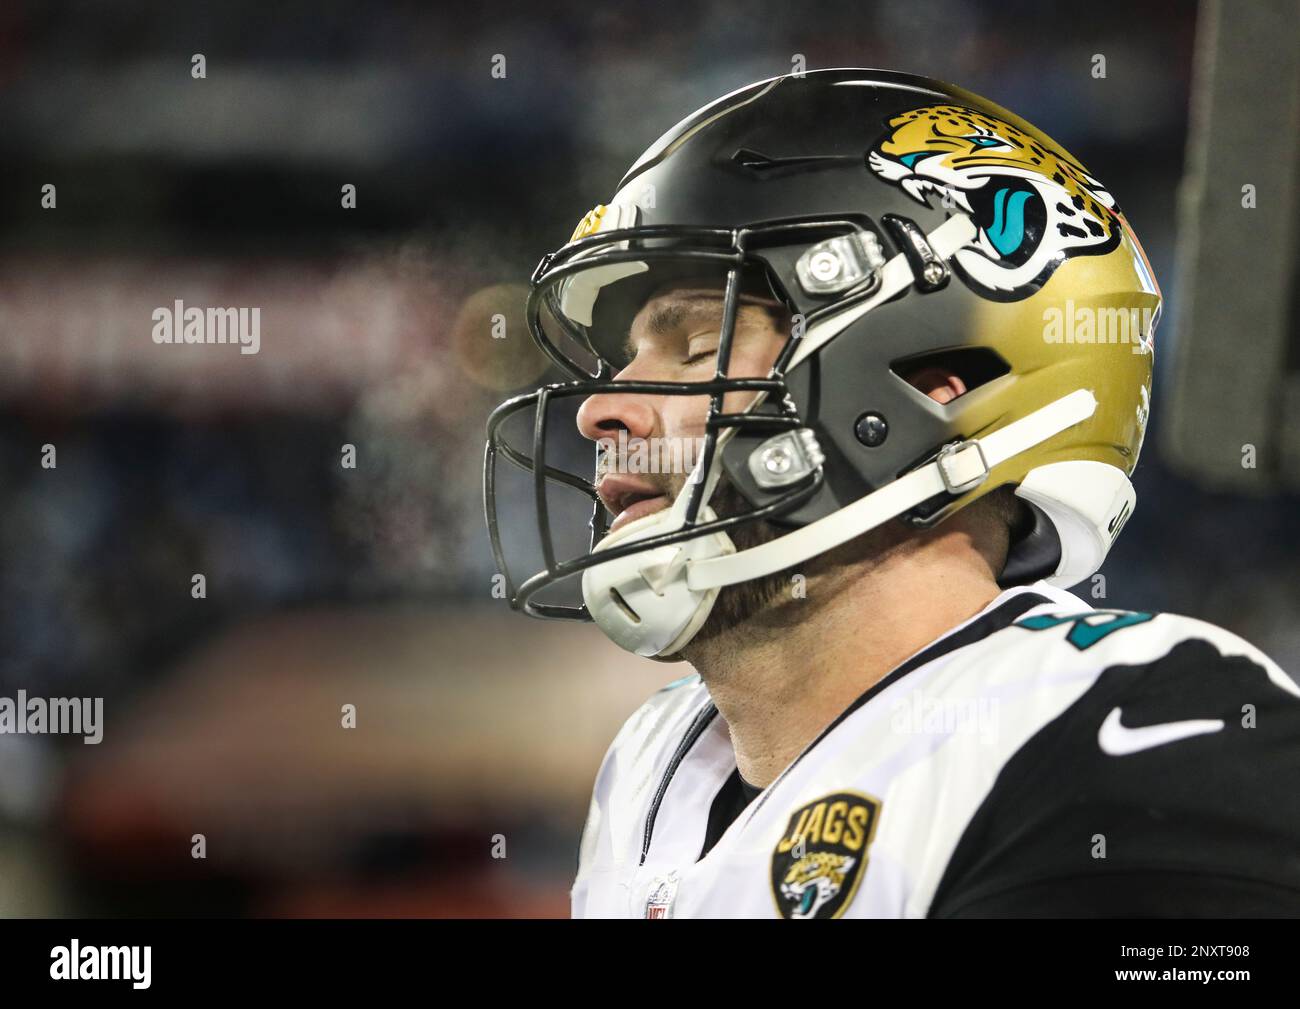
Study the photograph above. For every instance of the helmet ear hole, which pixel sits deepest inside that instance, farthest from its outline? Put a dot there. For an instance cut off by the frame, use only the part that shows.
(974, 366)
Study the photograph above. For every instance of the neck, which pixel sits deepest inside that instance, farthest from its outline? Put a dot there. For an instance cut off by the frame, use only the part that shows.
(781, 676)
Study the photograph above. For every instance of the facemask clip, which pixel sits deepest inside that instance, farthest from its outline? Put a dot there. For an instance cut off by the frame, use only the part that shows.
(785, 459)
(839, 263)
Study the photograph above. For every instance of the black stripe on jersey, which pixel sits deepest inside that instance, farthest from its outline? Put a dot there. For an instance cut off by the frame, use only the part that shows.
(990, 623)
(693, 733)
(1203, 826)
(735, 794)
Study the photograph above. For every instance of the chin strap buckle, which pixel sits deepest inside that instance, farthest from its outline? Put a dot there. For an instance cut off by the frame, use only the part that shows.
(962, 466)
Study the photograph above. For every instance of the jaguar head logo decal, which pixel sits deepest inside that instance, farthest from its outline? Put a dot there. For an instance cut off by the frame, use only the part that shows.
(819, 862)
(1032, 206)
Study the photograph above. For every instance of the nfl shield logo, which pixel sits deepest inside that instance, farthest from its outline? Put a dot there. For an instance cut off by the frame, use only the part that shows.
(662, 894)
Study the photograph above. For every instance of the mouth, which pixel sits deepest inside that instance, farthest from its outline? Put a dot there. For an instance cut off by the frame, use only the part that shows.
(1010, 216)
(629, 500)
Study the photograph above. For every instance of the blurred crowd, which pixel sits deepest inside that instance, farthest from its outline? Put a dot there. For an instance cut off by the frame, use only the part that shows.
(476, 136)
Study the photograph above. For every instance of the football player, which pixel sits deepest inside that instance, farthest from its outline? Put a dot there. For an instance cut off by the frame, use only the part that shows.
(911, 338)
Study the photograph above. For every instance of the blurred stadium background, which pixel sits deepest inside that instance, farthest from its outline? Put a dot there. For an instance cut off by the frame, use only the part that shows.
(372, 586)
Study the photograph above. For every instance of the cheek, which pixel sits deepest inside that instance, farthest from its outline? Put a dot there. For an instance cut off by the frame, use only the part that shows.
(685, 416)
(738, 402)
(752, 360)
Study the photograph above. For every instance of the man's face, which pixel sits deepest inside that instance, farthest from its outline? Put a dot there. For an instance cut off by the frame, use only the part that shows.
(674, 338)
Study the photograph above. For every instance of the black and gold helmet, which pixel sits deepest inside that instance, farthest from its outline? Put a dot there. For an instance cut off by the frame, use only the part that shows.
(903, 222)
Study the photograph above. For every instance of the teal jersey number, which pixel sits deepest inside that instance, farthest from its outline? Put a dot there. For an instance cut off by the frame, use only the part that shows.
(1084, 633)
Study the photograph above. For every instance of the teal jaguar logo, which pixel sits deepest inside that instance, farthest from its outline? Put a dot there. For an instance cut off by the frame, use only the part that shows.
(1032, 206)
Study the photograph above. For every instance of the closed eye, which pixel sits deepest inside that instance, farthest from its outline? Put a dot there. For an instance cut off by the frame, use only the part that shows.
(701, 347)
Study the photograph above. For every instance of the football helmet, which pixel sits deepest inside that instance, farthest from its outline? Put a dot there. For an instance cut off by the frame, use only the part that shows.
(903, 222)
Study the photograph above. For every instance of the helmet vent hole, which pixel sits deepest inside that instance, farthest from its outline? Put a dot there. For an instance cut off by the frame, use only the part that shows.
(975, 366)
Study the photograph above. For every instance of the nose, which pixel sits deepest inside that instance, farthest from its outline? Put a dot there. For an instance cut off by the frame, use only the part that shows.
(606, 413)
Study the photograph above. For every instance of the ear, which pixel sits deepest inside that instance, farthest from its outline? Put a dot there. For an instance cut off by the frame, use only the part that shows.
(940, 384)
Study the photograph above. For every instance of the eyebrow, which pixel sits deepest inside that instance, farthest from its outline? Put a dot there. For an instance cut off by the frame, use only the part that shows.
(666, 318)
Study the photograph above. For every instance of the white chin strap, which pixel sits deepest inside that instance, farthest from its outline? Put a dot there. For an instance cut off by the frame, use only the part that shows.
(654, 602)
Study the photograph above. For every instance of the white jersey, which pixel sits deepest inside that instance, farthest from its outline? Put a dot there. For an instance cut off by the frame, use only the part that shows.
(1043, 757)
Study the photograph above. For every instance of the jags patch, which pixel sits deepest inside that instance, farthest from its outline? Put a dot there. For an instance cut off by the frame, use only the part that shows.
(817, 865)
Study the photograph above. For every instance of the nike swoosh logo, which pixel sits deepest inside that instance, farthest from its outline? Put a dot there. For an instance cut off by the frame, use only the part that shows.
(1118, 740)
